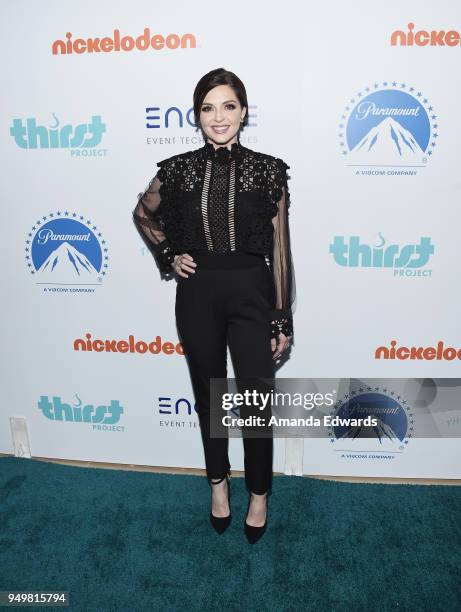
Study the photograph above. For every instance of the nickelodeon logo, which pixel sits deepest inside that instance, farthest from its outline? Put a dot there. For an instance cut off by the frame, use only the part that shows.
(156, 347)
(422, 38)
(108, 44)
(448, 353)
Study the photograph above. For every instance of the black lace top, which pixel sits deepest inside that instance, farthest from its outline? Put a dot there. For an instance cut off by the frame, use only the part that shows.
(222, 200)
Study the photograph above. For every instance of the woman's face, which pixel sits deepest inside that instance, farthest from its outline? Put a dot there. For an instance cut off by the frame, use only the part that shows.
(220, 115)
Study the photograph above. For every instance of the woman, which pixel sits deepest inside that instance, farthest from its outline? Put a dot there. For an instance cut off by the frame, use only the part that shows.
(218, 217)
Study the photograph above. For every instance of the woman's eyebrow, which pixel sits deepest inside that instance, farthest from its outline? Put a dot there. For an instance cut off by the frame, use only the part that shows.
(210, 104)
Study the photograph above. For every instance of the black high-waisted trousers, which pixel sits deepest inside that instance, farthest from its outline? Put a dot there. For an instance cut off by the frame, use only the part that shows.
(227, 302)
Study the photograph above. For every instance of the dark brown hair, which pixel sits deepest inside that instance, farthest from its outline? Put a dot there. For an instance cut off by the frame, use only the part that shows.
(219, 76)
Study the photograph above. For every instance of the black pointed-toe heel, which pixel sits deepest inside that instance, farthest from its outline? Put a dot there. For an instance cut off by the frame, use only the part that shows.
(253, 534)
(221, 523)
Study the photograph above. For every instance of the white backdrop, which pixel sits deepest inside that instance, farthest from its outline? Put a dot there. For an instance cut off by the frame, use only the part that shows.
(370, 131)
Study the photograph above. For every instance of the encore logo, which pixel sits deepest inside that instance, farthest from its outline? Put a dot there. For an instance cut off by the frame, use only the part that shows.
(116, 42)
(418, 352)
(131, 345)
(423, 38)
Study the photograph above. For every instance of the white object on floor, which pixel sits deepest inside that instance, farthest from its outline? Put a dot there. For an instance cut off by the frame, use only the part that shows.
(20, 437)
(294, 455)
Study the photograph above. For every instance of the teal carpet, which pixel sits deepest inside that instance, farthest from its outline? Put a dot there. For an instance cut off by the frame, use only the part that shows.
(134, 541)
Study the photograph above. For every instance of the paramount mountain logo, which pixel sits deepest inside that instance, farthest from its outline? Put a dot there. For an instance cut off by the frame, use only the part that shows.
(391, 434)
(66, 253)
(389, 128)
(389, 140)
(66, 262)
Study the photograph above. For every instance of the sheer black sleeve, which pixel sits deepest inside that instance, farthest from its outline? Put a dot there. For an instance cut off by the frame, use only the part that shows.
(282, 261)
(148, 219)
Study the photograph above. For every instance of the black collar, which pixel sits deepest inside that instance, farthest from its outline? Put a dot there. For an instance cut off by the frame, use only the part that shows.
(222, 153)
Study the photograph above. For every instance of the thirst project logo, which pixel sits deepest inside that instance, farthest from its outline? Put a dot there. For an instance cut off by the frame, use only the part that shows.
(66, 253)
(81, 139)
(101, 417)
(389, 128)
(404, 260)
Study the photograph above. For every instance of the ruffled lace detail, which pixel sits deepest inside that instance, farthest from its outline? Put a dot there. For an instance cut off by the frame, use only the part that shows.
(166, 256)
(223, 153)
(277, 179)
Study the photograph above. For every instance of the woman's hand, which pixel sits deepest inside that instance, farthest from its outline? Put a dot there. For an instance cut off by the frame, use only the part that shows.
(280, 345)
(184, 263)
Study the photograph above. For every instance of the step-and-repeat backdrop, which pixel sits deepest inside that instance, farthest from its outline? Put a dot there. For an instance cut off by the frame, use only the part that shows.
(361, 101)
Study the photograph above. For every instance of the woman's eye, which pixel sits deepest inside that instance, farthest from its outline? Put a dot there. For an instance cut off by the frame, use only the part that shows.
(205, 109)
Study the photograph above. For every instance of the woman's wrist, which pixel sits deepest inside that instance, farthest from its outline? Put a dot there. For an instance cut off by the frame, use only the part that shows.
(281, 321)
